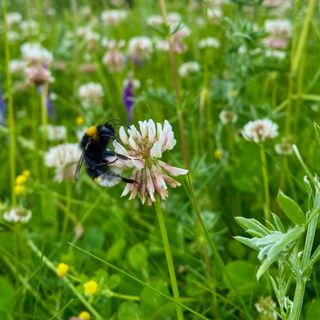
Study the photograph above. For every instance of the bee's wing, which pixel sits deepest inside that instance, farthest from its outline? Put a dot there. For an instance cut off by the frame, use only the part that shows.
(79, 165)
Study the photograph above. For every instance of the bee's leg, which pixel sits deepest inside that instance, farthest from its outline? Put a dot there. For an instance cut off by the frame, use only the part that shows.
(110, 153)
(127, 180)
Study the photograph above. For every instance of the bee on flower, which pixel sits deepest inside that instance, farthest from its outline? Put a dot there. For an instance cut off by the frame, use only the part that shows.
(260, 130)
(145, 148)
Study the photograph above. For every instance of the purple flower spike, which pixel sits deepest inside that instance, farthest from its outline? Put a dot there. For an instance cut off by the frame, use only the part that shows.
(50, 108)
(128, 99)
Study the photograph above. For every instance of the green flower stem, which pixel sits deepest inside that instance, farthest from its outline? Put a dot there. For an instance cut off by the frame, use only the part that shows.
(265, 183)
(213, 247)
(11, 120)
(298, 300)
(112, 294)
(67, 216)
(167, 250)
(51, 266)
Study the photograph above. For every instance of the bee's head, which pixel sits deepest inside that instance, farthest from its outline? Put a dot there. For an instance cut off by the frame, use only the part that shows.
(106, 131)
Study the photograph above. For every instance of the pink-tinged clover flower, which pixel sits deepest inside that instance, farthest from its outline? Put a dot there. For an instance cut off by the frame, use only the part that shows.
(260, 130)
(145, 148)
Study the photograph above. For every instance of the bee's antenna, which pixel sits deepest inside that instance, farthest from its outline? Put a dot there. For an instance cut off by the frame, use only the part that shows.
(118, 122)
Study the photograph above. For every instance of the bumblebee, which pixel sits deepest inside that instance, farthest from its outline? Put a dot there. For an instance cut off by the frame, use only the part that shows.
(95, 154)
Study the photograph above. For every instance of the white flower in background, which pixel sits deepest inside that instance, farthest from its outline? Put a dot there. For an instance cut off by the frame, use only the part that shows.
(17, 214)
(284, 147)
(214, 14)
(276, 54)
(13, 18)
(85, 12)
(136, 84)
(173, 18)
(155, 20)
(17, 66)
(260, 130)
(209, 42)
(34, 53)
(29, 28)
(55, 133)
(38, 75)
(279, 27)
(275, 42)
(140, 48)
(13, 36)
(267, 308)
(90, 94)
(114, 59)
(189, 68)
(160, 44)
(226, 117)
(145, 148)
(113, 17)
(275, 3)
(64, 159)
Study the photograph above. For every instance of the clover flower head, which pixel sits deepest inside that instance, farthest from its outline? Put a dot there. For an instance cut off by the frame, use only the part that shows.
(226, 117)
(17, 214)
(38, 75)
(90, 94)
(260, 130)
(209, 42)
(140, 48)
(113, 17)
(189, 68)
(155, 20)
(34, 53)
(145, 148)
(13, 18)
(64, 159)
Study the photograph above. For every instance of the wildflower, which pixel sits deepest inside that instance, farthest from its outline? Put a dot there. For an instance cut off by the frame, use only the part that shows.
(275, 54)
(284, 147)
(13, 18)
(79, 121)
(209, 42)
(227, 117)
(139, 48)
(146, 147)
(275, 43)
(173, 18)
(38, 75)
(20, 179)
(218, 153)
(189, 68)
(17, 66)
(266, 307)
(62, 269)
(55, 133)
(279, 27)
(90, 94)
(90, 288)
(29, 28)
(114, 59)
(64, 159)
(88, 68)
(127, 98)
(155, 20)
(113, 17)
(214, 14)
(273, 3)
(19, 189)
(84, 315)
(260, 130)
(17, 214)
(26, 173)
(34, 53)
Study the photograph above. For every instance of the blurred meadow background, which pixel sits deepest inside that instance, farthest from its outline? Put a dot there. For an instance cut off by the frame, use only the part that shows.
(238, 84)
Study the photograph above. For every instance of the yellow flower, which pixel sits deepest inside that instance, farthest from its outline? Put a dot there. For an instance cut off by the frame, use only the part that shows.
(62, 269)
(26, 173)
(19, 189)
(90, 288)
(79, 120)
(20, 179)
(218, 154)
(84, 315)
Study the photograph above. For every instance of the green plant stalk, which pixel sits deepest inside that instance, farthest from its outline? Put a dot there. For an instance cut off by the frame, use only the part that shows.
(298, 300)
(51, 266)
(167, 251)
(11, 120)
(265, 183)
(67, 216)
(213, 247)
(44, 124)
(175, 79)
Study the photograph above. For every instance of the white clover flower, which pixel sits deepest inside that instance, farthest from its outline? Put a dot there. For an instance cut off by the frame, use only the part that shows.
(17, 66)
(155, 20)
(173, 18)
(13, 18)
(55, 133)
(38, 75)
(113, 17)
(114, 59)
(64, 159)
(214, 14)
(209, 42)
(90, 94)
(275, 3)
(226, 117)
(189, 68)
(140, 48)
(284, 147)
(275, 42)
(279, 27)
(260, 130)
(34, 53)
(17, 214)
(276, 54)
(267, 308)
(136, 84)
(145, 148)
(13, 36)
(29, 28)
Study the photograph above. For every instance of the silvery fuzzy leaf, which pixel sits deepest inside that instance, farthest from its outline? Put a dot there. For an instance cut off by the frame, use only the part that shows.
(252, 226)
